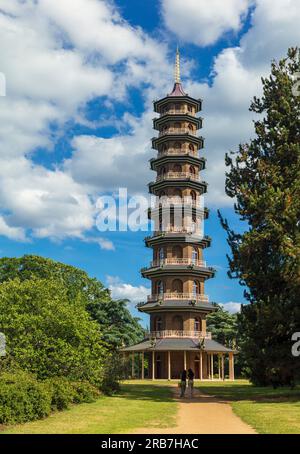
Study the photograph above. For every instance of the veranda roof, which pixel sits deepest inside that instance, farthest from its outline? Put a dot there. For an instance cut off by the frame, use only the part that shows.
(177, 344)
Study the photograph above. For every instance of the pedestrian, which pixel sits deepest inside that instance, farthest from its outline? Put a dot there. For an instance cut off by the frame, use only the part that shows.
(183, 383)
(191, 376)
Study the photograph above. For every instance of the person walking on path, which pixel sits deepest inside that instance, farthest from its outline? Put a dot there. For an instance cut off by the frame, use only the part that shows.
(191, 376)
(183, 383)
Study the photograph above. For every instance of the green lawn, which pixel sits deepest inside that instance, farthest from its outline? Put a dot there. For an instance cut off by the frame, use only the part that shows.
(269, 411)
(137, 405)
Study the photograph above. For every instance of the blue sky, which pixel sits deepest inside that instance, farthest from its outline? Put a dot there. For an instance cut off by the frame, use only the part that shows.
(76, 120)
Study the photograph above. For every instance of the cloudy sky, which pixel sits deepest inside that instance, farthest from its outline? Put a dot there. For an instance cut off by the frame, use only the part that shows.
(76, 120)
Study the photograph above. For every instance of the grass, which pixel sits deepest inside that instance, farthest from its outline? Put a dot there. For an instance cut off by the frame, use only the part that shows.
(147, 404)
(267, 410)
(137, 405)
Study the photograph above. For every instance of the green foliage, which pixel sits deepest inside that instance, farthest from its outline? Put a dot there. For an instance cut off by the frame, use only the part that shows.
(84, 392)
(118, 327)
(62, 393)
(114, 371)
(264, 178)
(22, 398)
(47, 333)
(223, 326)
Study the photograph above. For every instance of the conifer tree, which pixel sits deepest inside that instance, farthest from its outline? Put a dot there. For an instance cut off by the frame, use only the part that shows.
(264, 180)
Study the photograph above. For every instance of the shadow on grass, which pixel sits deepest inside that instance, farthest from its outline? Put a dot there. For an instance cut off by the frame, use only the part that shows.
(136, 391)
(233, 392)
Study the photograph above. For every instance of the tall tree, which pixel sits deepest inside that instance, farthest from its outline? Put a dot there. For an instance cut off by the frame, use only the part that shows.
(223, 326)
(264, 179)
(118, 326)
(49, 334)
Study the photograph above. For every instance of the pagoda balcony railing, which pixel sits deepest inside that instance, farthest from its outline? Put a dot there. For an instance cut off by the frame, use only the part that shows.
(178, 297)
(178, 176)
(177, 333)
(179, 262)
(185, 201)
(175, 229)
(178, 152)
(173, 131)
(176, 111)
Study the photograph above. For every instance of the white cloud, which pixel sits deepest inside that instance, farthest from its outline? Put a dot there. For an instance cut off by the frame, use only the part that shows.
(14, 233)
(59, 55)
(203, 22)
(121, 290)
(103, 243)
(232, 307)
(56, 57)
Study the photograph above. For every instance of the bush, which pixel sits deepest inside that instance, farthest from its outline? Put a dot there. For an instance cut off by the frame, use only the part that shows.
(84, 392)
(23, 398)
(113, 372)
(62, 393)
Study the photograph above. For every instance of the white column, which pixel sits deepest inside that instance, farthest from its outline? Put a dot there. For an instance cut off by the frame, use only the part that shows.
(223, 368)
(132, 365)
(231, 366)
(143, 365)
(219, 366)
(212, 366)
(184, 360)
(201, 365)
(169, 365)
(153, 365)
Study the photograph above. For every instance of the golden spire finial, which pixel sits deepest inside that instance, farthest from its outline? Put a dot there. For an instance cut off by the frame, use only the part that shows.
(177, 67)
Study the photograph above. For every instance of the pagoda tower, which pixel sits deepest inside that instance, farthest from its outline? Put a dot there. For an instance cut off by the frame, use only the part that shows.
(177, 304)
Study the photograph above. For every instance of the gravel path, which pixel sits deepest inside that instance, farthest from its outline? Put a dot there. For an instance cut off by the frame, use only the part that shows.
(203, 414)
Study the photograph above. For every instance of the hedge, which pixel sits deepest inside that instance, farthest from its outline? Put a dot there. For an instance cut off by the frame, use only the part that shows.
(24, 398)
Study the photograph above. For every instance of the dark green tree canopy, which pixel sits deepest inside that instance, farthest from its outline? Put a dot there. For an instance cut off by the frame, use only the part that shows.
(264, 179)
(223, 326)
(118, 326)
(49, 334)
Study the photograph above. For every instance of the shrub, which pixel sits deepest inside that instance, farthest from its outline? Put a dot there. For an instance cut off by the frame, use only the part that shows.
(62, 393)
(113, 372)
(84, 392)
(23, 398)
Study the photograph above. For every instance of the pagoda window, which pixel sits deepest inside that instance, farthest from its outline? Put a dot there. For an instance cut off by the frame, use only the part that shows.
(195, 288)
(194, 255)
(161, 253)
(177, 252)
(177, 127)
(177, 168)
(177, 145)
(177, 323)
(177, 286)
(191, 147)
(190, 126)
(158, 324)
(194, 224)
(193, 195)
(178, 193)
(190, 109)
(160, 288)
(192, 170)
(197, 324)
